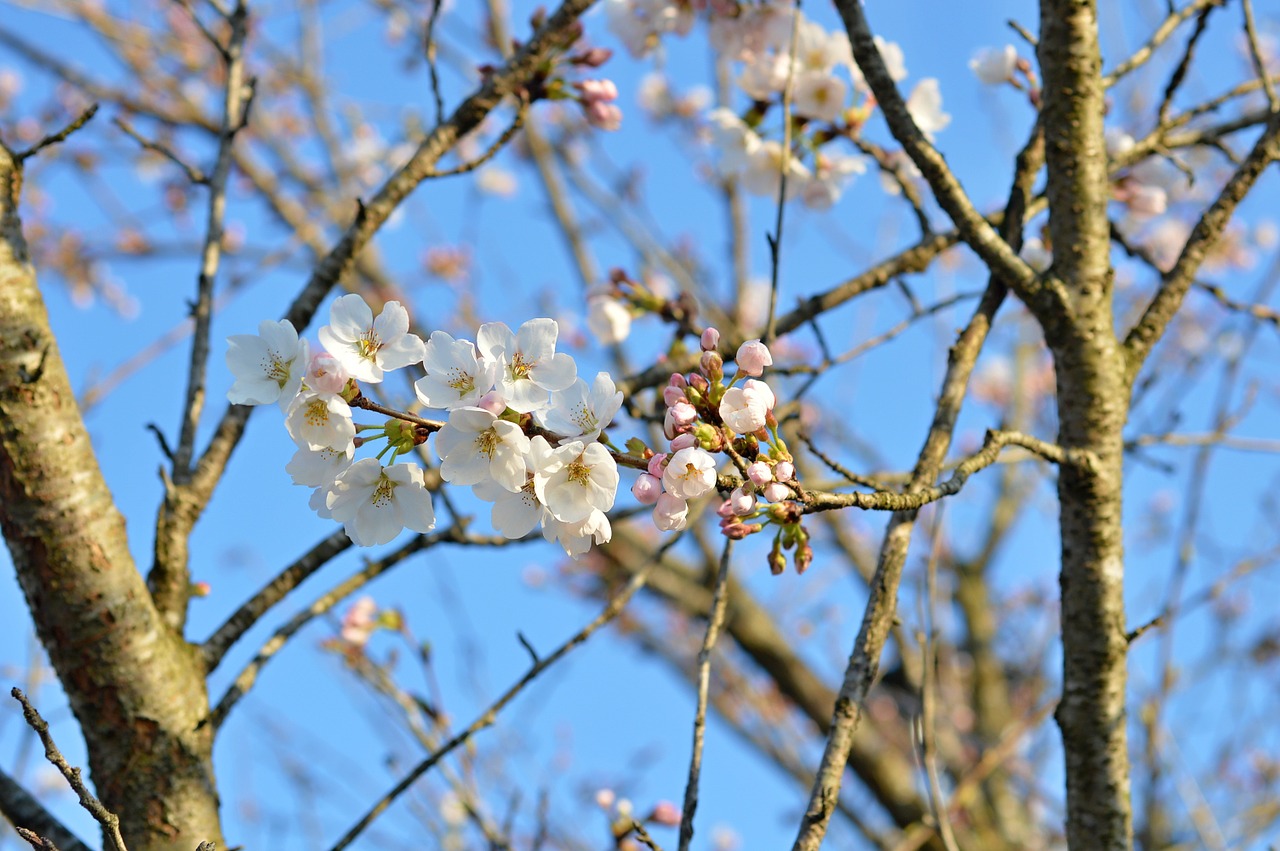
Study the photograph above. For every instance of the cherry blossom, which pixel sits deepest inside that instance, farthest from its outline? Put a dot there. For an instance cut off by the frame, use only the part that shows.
(581, 410)
(581, 479)
(268, 366)
(670, 513)
(375, 503)
(743, 411)
(608, 319)
(368, 347)
(690, 473)
(530, 367)
(576, 538)
(320, 421)
(474, 445)
(753, 356)
(994, 65)
(456, 375)
(925, 106)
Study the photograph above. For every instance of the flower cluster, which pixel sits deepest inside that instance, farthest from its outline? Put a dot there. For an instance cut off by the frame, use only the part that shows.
(496, 392)
(704, 414)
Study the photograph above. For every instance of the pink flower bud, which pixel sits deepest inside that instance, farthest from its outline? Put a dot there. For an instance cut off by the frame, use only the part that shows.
(201, 589)
(647, 489)
(682, 413)
(753, 357)
(671, 513)
(665, 813)
(325, 374)
(673, 395)
(605, 799)
(725, 510)
(776, 492)
(742, 501)
(592, 58)
(803, 557)
(712, 366)
(597, 91)
(684, 441)
(784, 471)
(656, 465)
(677, 380)
(603, 116)
(737, 530)
(493, 402)
(699, 383)
(760, 473)
(710, 339)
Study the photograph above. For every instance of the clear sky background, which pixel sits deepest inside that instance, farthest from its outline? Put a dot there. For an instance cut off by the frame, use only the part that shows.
(308, 750)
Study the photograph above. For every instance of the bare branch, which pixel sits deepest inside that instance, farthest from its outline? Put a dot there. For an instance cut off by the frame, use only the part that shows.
(714, 619)
(487, 718)
(1207, 231)
(59, 137)
(110, 821)
(26, 813)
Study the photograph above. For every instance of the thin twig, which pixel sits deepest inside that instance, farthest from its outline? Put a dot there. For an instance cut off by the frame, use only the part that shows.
(1258, 61)
(60, 136)
(216, 645)
(490, 715)
(110, 821)
(775, 238)
(643, 835)
(719, 600)
(24, 812)
(429, 50)
(195, 175)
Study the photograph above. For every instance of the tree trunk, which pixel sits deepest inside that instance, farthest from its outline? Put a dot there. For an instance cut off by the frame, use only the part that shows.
(136, 686)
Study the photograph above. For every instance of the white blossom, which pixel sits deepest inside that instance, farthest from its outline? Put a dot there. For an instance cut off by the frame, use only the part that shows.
(530, 367)
(819, 95)
(581, 410)
(925, 106)
(456, 375)
(320, 421)
(994, 65)
(608, 319)
(576, 538)
(368, 347)
(268, 366)
(690, 473)
(374, 504)
(580, 479)
(475, 445)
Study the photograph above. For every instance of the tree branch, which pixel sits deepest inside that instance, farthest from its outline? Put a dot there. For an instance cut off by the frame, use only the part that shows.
(24, 811)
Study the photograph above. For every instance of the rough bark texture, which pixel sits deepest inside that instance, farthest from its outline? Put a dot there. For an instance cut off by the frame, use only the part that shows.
(136, 687)
(1093, 402)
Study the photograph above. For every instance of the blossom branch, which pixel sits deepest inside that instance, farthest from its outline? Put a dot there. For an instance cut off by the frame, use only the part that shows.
(913, 500)
(487, 718)
(559, 31)
(56, 138)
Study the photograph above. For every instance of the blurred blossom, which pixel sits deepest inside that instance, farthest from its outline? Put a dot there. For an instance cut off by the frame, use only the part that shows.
(993, 382)
(1266, 235)
(925, 106)
(1037, 256)
(994, 65)
(449, 263)
(1118, 142)
(495, 180)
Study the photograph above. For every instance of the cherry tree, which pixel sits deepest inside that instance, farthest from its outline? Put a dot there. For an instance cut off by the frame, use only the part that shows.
(530, 309)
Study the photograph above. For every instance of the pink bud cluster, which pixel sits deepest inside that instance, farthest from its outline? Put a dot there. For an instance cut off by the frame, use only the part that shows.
(597, 98)
(706, 414)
